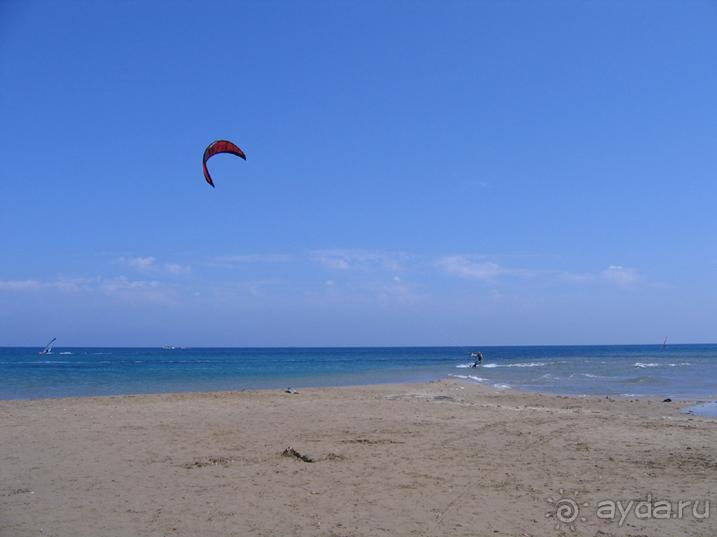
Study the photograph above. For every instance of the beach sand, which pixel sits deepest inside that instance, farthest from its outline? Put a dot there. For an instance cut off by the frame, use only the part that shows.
(442, 458)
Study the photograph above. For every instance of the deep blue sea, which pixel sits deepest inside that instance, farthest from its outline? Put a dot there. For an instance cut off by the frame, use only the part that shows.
(678, 371)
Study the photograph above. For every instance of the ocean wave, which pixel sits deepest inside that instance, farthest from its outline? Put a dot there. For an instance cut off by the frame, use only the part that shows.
(464, 365)
(644, 365)
(66, 352)
(502, 386)
(640, 380)
(45, 362)
(593, 376)
(525, 364)
(159, 361)
(469, 377)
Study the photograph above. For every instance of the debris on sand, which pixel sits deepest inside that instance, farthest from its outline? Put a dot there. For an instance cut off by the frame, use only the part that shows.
(20, 491)
(369, 441)
(209, 461)
(290, 390)
(291, 452)
(668, 400)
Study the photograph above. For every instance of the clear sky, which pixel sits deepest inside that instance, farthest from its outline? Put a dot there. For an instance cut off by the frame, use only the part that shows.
(418, 173)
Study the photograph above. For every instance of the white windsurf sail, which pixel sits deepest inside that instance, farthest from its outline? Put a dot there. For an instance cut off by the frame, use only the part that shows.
(48, 347)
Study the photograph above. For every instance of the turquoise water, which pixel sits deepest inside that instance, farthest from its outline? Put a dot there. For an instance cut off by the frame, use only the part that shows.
(678, 371)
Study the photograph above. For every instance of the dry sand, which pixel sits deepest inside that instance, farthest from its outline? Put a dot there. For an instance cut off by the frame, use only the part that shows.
(442, 458)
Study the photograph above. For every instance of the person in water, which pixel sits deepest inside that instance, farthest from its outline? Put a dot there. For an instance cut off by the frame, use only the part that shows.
(478, 358)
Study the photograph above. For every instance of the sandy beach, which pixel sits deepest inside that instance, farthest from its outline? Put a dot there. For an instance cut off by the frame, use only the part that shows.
(443, 458)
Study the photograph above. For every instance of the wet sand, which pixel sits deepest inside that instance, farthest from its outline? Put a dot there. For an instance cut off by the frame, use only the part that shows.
(443, 458)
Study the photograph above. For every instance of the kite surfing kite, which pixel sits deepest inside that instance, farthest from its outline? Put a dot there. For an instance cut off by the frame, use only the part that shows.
(216, 147)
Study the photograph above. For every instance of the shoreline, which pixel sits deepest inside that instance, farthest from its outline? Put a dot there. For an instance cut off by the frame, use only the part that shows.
(684, 374)
(687, 402)
(437, 458)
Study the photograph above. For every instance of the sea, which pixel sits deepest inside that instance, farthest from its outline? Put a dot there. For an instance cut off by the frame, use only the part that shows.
(674, 371)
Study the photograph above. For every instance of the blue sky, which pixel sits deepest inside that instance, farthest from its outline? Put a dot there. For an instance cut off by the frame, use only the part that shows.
(418, 173)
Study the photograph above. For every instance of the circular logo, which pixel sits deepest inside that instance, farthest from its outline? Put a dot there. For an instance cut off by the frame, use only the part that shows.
(566, 510)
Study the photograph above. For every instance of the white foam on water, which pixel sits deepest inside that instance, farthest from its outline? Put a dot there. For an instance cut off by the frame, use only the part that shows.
(502, 386)
(525, 364)
(464, 365)
(549, 376)
(592, 376)
(66, 352)
(469, 377)
(643, 365)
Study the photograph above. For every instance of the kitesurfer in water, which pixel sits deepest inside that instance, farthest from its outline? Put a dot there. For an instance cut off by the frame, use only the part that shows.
(478, 358)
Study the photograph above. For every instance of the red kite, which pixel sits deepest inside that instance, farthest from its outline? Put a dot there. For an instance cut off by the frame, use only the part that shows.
(219, 146)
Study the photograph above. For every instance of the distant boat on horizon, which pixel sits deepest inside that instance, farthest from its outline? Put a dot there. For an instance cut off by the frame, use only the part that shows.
(169, 347)
(48, 347)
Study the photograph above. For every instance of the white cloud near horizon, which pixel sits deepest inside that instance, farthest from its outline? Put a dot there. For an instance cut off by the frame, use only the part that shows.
(123, 283)
(60, 283)
(239, 259)
(621, 276)
(473, 267)
(119, 286)
(380, 272)
(19, 285)
(150, 264)
(123, 288)
(357, 259)
(176, 268)
(140, 263)
(478, 268)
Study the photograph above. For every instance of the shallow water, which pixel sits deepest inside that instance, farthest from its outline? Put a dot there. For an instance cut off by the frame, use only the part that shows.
(706, 410)
(678, 371)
